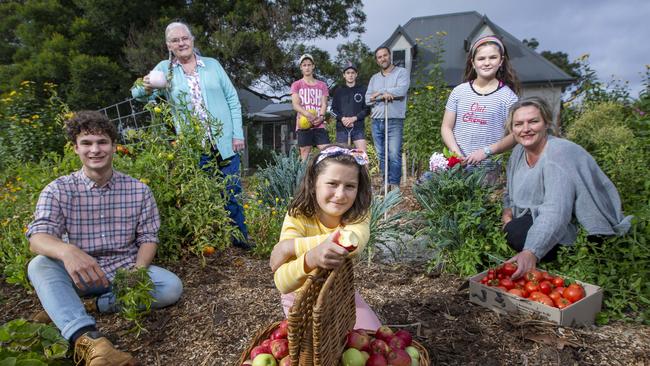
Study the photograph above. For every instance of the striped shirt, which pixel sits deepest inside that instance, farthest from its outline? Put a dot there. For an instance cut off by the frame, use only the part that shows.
(308, 233)
(109, 223)
(480, 118)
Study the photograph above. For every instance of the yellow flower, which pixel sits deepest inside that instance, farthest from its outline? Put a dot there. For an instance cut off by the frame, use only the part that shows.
(68, 115)
(273, 212)
(144, 180)
(277, 199)
(429, 87)
(416, 93)
(25, 229)
(36, 116)
(24, 82)
(157, 109)
(13, 92)
(259, 201)
(246, 207)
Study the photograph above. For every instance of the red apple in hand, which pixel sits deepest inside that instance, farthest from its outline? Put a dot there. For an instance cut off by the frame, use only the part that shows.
(279, 348)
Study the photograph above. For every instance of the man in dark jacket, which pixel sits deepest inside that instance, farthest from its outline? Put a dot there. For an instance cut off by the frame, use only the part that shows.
(350, 108)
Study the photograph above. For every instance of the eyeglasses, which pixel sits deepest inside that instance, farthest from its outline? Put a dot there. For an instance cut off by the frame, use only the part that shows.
(179, 40)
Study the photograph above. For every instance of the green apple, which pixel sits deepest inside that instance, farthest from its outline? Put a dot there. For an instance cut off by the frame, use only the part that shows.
(353, 357)
(265, 359)
(413, 352)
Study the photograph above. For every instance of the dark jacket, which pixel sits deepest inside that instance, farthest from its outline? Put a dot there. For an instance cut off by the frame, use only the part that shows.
(349, 102)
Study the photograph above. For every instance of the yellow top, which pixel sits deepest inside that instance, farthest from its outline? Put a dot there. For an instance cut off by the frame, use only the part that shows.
(307, 234)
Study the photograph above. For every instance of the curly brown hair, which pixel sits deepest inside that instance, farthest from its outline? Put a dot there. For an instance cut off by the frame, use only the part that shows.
(506, 72)
(90, 122)
(304, 203)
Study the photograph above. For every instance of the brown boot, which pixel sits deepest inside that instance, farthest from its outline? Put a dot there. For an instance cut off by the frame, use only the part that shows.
(96, 350)
(41, 316)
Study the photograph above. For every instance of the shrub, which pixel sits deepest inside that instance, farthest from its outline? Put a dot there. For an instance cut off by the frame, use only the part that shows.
(280, 178)
(461, 217)
(264, 223)
(25, 343)
(30, 123)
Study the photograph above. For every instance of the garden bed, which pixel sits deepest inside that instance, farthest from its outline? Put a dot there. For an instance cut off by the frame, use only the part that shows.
(229, 299)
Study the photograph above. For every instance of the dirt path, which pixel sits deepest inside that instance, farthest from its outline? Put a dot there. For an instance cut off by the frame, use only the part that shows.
(227, 301)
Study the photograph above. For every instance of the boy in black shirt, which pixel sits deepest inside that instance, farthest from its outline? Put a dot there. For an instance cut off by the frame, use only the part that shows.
(349, 107)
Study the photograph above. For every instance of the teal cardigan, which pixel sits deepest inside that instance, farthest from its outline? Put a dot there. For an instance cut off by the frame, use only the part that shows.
(219, 97)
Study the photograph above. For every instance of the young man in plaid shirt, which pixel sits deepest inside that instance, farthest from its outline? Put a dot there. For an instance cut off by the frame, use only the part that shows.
(86, 226)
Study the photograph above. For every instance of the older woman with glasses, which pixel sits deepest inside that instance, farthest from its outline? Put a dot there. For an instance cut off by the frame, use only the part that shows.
(553, 182)
(199, 85)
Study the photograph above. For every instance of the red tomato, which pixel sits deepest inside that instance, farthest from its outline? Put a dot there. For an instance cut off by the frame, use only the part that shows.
(562, 303)
(536, 295)
(484, 280)
(507, 283)
(545, 300)
(534, 275)
(509, 268)
(554, 295)
(574, 293)
(516, 292)
(547, 276)
(560, 290)
(521, 282)
(558, 281)
(500, 275)
(491, 274)
(532, 286)
(545, 287)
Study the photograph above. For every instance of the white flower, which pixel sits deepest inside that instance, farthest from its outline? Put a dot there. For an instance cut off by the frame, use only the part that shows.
(437, 162)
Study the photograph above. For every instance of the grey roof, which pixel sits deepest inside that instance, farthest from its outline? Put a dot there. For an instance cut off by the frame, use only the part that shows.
(461, 28)
(250, 102)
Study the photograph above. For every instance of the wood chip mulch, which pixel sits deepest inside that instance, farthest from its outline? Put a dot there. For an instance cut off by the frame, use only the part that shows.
(229, 299)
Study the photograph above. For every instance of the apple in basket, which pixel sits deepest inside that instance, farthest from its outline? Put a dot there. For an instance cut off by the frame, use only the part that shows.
(280, 333)
(358, 341)
(259, 350)
(376, 359)
(414, 353)
(396, 342)
(346, 239)
(399, 357)
(384, 333)
(280, 348)
(265, 359)
(285, 361)
(284, 324)
(247, 363)
(353, 357)
(377, 346)
(266, 343)
(405, 336)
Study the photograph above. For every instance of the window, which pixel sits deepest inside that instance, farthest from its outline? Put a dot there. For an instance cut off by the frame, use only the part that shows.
(399, 58)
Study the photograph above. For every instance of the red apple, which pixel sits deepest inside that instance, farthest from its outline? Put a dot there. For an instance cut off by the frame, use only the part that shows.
(358, 341)
(384, 333)
(285, 361)
(378, 346)
(396, 342)
(406, 337)
(259, 350)
(279, 348)
(266, 343)
(376, 360)
(284, 324)
(280, 333)
(399, 357)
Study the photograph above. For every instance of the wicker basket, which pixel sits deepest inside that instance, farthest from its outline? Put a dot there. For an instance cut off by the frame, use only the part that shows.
(322, 314)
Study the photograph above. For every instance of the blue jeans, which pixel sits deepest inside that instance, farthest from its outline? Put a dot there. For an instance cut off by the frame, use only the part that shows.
(61, 299)
(395, 131)
(230, 170)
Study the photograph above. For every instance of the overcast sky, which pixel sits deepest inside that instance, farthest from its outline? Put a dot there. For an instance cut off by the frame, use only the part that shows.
(616, 34)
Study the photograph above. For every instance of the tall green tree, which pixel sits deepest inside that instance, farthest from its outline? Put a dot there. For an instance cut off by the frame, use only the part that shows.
(94, 48)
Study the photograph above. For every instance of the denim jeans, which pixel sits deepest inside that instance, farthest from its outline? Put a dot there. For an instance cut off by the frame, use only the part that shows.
(395, 131)
(61, 299)
(230, 170)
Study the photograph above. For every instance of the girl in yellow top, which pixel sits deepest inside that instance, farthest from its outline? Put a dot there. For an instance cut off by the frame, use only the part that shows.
(334, 196)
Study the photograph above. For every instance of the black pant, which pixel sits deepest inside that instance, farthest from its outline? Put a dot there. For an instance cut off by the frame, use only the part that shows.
(517, 230)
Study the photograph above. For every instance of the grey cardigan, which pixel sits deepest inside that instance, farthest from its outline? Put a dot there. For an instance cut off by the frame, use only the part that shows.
(566, 183)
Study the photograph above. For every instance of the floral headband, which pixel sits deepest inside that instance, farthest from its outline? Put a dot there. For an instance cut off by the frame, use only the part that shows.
(359, 156)
(481, 41)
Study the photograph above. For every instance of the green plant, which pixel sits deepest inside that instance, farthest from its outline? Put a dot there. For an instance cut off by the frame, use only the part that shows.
(25, 343)
(132, 290)
(386, 226)
(426, 105)
(264, 223)
(30, 123)
(280, 178)
(461, 217)
(620, 265)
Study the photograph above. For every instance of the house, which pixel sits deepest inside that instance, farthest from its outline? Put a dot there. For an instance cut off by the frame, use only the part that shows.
(537, 75)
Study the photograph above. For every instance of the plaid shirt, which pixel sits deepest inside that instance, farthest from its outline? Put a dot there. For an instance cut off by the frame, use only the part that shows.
(109, 223)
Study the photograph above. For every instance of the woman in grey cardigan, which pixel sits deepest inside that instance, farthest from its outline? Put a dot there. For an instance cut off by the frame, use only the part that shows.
(552, 182)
